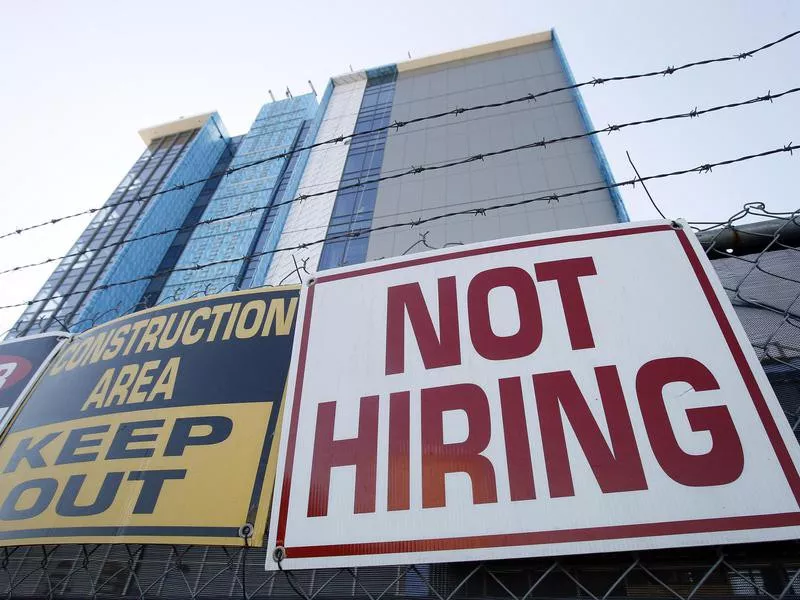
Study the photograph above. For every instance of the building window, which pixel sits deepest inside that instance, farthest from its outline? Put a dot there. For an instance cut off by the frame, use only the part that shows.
(156, 285)
(250, 267)
(354, 207)
(71, 283)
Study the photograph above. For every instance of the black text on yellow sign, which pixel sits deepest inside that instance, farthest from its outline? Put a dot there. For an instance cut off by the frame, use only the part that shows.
(160, 427)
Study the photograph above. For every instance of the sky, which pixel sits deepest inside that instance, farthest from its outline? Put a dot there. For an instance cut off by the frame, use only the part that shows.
(78, 80)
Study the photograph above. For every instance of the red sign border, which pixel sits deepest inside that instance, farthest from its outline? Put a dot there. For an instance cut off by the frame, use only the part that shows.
(555, 536)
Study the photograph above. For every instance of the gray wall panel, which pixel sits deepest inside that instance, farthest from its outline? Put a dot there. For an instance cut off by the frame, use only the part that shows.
(558, 168)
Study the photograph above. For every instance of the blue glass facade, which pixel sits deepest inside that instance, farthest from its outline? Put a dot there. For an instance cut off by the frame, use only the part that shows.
(353, 208)
(254, 268)
(356, 102)
(156, 284)
(168, 211)
(273, 238)
(605, 169)
(66, 301)
(276, 130)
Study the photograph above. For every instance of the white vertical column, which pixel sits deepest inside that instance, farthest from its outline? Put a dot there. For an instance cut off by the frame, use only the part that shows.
(308, 220)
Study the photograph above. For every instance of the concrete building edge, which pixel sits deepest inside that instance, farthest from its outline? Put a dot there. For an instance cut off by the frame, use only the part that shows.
(477, 51)
(605, 169)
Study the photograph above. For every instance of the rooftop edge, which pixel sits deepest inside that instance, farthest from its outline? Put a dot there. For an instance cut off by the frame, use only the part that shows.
(148, 134)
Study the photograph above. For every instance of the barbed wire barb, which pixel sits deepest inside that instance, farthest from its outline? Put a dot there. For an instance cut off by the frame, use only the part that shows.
(398, 124)
(421, 220)
(414, 170)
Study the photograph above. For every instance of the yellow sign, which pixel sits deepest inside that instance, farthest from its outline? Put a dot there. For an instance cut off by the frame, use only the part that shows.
(158, 427)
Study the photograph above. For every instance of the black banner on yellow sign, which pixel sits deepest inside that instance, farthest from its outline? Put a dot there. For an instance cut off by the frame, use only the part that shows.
(157, 427)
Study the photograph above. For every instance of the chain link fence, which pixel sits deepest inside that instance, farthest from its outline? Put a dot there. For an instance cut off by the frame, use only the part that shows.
(759, 266)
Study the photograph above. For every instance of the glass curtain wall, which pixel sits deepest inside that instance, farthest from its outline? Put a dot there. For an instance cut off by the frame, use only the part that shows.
(353, 208)
(247, 278)
(64, 293)
(153, 291)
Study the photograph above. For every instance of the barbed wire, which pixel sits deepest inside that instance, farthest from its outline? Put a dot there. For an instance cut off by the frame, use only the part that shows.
(423, 241)
(644, 187)
(71, 325)
(462, 203)
(416, 170)
(299, 269)
(396, 125)
(549, 198)
(764, 287)
(695, 224)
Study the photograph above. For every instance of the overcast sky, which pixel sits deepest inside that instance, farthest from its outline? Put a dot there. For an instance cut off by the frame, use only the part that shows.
(78, 79)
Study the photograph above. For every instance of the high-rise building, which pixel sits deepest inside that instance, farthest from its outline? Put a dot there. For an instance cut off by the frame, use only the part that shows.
(252, 193)
(263, 208)
(396, 94)
(258, 222)
(177, 152)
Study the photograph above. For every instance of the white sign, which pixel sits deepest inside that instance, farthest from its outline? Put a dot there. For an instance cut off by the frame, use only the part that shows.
(580, 391)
